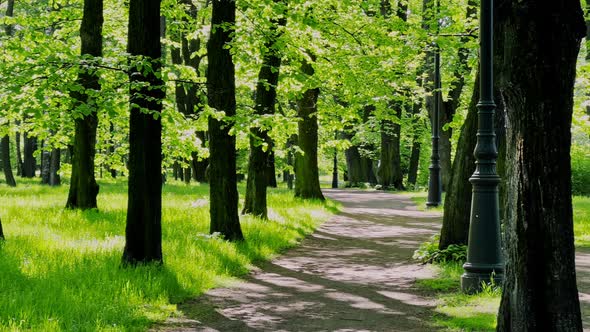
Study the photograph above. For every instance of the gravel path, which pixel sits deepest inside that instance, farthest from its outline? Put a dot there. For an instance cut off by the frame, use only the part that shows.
(354, 273)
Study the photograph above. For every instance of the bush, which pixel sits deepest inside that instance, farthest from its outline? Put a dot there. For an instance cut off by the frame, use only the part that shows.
(580, 170)
(428, 252)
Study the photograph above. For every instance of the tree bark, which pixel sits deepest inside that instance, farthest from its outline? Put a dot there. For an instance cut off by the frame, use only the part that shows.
(221, 92)
(45, 161)
(6, 166)
(29, 162)
(19, 158)
(54, 168)
(307, 181)
(417, 127)
(541, 48)
(83, 186)
(390, 172)
(261, 172)
(143, 233)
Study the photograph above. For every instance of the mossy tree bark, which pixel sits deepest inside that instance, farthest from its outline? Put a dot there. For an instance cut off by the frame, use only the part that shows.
(307, 181)
(261, 172)
(221, 93)
(83, 186)
(143, 234)
(539, 68)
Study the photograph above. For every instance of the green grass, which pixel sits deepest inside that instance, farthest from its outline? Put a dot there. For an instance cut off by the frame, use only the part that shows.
(582, 221)
(60, 269)
(420, 197)
(458, 311)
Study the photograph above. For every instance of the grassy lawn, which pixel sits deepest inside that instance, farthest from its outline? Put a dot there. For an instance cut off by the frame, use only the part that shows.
(582, 221)
(61, 269)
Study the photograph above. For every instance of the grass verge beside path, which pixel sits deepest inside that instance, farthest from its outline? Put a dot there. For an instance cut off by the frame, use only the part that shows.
(60, 269)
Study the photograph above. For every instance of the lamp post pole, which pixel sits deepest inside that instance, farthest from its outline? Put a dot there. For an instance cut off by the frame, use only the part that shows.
(434, 181)
(484, 255)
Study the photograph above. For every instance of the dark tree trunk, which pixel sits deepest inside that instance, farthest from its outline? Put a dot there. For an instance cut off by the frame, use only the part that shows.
(111, 150)
(271, 171)
(29, 162)
(335, 171)
(45, 161)
(390, 168)
(54, 167)
(539, 68)
(417, 127)
(83, 186)
(221, 92)
(143, 234)
(5, 144)
(6, 166)
(1, 231)
(449, 107)
(19, 159)
(187, 175)
(292, 141)
(457, 209)
(175, 170)
(199, 169)
(307, 181)
(261, 170)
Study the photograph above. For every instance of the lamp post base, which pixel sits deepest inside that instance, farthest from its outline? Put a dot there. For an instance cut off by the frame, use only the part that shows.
(471, 282)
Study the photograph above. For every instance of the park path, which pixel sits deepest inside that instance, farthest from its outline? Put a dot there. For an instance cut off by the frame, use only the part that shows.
(355, 273)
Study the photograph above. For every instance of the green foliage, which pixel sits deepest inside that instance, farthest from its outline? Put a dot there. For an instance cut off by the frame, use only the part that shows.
(580, 169)
(428, 252)
(61, 269)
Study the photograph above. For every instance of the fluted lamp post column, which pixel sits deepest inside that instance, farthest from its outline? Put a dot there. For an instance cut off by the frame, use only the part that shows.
(484, 255)
(434, 181)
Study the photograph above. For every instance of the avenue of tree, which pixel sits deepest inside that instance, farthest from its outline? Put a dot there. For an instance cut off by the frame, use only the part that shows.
(219, 90)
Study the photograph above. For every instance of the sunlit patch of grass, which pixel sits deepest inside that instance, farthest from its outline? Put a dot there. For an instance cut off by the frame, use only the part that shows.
(582, 220)
(60, 269)
(457, 311)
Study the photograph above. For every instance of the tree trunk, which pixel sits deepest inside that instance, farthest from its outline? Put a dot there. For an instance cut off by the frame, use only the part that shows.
(1, 231)
(29, 162)
(45, 161)
(335, 171)
(307, 181)
(261, 170)
(539, 68)
(187, 175)
(143, 233)
(19, 158)
(83, 186)
(390, 168)
(221, 92)
(417, 127)
(54, 168)
(449, 107)
(6, 166)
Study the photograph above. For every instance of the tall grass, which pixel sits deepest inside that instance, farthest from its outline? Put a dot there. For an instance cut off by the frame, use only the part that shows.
(60, 269)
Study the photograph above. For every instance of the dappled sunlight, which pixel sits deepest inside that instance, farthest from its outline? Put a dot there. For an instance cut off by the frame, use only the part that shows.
(355, 273)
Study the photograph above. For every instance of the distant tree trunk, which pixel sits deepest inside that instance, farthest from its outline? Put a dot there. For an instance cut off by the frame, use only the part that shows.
(19, 158)
(29, 162)
(83, 186)
(271, 171)
(292, 141)
(1, 231)
(307, 181)
(143, 234)
(261, 172)
(45, 161)
(540, 291)
(390, 169)
(54, 168)
(111, 150)
(6, 166)
(187, 175)
(335, 171)
(417, 125)
(221, 92)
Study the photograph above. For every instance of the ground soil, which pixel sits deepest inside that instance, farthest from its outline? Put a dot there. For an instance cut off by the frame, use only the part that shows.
(355, 273)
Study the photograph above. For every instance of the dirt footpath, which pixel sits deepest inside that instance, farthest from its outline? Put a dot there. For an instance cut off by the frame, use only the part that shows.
(354, 273)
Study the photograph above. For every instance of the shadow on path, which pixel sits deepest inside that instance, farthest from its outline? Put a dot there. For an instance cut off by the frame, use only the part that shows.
(354, 273)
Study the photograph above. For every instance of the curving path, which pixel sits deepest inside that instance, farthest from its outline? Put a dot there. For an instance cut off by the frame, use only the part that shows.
(354, 273)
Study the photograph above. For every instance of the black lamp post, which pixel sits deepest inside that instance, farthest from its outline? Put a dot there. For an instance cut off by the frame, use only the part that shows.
(484, 256)
(434, 181)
